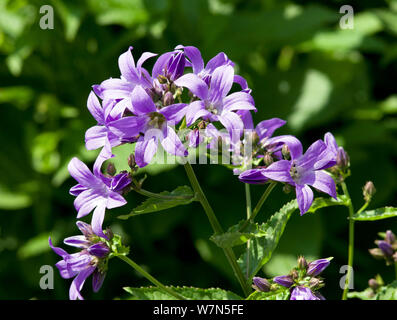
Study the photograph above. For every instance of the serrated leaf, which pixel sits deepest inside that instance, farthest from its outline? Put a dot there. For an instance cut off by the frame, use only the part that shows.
(319, 203)
(154, 293)
(281, 294)
(234, 237)
(367, 294)
(377, 214)
(388, 292)
(261, 248)
(154, 204)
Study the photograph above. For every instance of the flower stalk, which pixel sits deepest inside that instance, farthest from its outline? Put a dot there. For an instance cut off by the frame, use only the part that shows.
(150, 277)
(351, 241)
(217, 228)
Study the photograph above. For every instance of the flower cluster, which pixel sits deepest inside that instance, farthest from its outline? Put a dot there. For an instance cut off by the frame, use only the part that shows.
(387, 248)
(303, 281)
(153, 109)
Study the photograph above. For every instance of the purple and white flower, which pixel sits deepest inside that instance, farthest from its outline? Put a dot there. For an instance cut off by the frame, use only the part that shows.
(91, 260)
(96, 191)
(154, 125)
(215, 103)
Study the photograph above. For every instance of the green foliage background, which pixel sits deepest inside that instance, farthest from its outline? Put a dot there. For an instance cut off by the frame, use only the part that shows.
(301, 66)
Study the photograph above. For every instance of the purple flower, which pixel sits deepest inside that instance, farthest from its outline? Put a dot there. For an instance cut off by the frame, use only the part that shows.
(131, 76)
(154, 126)
(261, 284)
(95, 191)
(215, 104)
(197, 63)
(314, 268)
(386, 248)
(84, 263)
(304, 170)
(97, 136)
(340, 155)
(285, 281)
(303, 293)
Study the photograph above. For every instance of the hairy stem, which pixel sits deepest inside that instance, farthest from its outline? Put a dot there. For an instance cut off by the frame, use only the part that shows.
(249, 213)
(216, 226)
(259, 205)
(351, 241)
(151, 278)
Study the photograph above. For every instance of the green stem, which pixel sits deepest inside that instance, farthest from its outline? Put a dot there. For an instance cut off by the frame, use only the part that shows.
(351, 241)
(259, 205)
(395, 267)
(249, 213)
(216, 226)
(151, 278)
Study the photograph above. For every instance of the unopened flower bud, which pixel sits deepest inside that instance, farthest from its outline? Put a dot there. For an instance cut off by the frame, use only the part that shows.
(386, 248)
(268, 159)
(368, 191)
(286, 153)
(261, 284)
(111, 169)
(390, 237)
(376, 253)
(294, 274)
(373, 284)
(315, 283)
(302, 263)
(314, 268)
(395, 257)
(168, 98)
(287, 188)
(201, 125)
(285, 281)
(342, 159)
(131, 161)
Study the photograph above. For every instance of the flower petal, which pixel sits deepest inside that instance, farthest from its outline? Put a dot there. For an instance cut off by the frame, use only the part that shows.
(97, 220)
(304, 196)
(173, 145)
(253, 176)
(302, 293)
(174, 113)
(194, 111)
(145, 149)
(279, 171)
(194, 55)
(80, 172)
(196, 85)
(77, 241)
(239, 101)
(95, 137)
(95, 108)
(221, 83)
(97, 280)
(141, 102)
(266, 128)
(78, 282)
(325, 183)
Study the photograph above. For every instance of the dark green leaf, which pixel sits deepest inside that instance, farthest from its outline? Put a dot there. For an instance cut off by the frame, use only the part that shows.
(185, 196)
(319, 203)
(261, 248)
(154, 293)
(377, 214)
(280, 294)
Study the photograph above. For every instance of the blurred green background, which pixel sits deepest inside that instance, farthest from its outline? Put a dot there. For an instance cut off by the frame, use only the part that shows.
(301, 66)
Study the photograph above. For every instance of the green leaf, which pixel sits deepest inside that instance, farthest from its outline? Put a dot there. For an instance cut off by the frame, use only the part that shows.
(319, 203)
(367, 294)
(233, 237)
(280, 294)
(261, 248)
(388, 292)
(155, 204)
(154, 293)
(377, 214)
